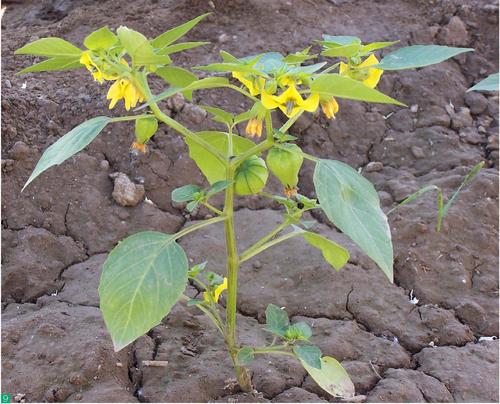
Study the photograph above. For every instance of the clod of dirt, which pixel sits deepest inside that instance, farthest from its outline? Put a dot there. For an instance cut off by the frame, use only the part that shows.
(59, 351)
(32, 261)
(374, 166)
(468, 372)
(125, 192)
(297, 395)
(433, 115)
(454, 33)
(409, 386)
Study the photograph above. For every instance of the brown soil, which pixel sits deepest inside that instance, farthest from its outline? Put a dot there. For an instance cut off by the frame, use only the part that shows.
(56, 233)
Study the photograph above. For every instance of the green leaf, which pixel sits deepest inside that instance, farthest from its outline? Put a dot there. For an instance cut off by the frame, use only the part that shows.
(192, 205)
(142, 278)
(468, 178)
(336, 255)
(376, 45)
(228, 58)
(341, 39)
(179, 47)
(59, 63)
(175, 33)
(309, 354)
(209, 82)
(219, 114)
(344, 87)
(414, 56)
(298, 331)
(218, 187)
(228, 67)
(70, 144)
(177, 77)
(277, 320)
(185, 193)
(490, 83)
(342, 51)
(103, 38)
(332, 377)
(209, 165)
(139, 48)
(244, 356)
(268, 62)
(51, 47)
(351, 202)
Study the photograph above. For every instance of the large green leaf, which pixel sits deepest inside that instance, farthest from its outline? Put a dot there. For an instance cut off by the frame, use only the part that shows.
(332, 377)
(345, 87)
(51, 47)
(414, 56)
(490, 83)
(102, 38)
(209, 165)
(351, 202)
(341, 39)
(142, 278)
(177, 77)
(336, 255)
(70, 144)
(139, 48)
(175, 33)
(59, 63)
(345, 51)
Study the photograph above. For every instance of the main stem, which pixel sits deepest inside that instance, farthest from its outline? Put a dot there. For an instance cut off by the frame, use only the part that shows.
(233, 263)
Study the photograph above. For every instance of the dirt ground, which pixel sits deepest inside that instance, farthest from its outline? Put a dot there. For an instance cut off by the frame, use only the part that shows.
(55, 235)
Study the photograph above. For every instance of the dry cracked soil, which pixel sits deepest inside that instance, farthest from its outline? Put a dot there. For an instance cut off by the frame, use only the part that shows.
(55, 235)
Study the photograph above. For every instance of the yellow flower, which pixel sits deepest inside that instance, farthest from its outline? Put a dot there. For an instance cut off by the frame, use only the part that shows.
(97, 71)
(290, 101)
(217, 292)
(125, 89)
(254, 127)
(329, 107)
(370, 76)
(139, 146)
(254, 86)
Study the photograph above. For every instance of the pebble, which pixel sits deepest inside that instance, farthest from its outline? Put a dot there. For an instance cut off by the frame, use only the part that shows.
(477, 102)
(125, 192)
(417, 152)
(8, 84)
(461, 119)
(257, 264)
(414, 108)
(223, 38)
(374, 166)
(176, 102)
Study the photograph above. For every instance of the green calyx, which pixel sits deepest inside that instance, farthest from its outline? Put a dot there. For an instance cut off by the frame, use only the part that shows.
(145, 128)
(251, 176)
(285, 162)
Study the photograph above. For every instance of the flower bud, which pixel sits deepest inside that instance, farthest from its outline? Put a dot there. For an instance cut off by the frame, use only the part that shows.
(285, 162)
(251, 176)
(145, 128)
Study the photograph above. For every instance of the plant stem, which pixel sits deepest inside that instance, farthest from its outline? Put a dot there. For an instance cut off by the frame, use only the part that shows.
(197, 226)
(232, 282)
(249, 254)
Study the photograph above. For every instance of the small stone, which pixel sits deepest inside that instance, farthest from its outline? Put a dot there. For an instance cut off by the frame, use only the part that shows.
(125, 192)
(493, 142)
(417, 152)
(194, 113)
(374, 166)
(257, 264)
(454, 33)
(223, 38)
(104, 164)
(19, 151)
(477, 102)
(461, 119)
(385, 198)
(414, 108)
(7, 165)
(8, 84)
(176, 102)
